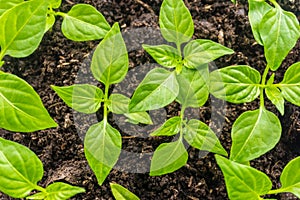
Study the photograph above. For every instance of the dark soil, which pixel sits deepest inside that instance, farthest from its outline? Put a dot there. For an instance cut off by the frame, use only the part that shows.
(59, 61)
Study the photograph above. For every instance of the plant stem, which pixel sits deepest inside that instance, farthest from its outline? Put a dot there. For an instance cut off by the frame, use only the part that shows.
(105, 111)
(181, 126)
(2, 53)
(263, 83)
(275, 3)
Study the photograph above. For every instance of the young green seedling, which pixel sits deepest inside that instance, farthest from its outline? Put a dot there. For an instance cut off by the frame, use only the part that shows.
(20, 171)
(256, 132)
(185, 81)
(102, 142)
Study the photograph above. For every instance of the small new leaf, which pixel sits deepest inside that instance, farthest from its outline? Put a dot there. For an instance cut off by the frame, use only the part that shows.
(275, 96)
(121, 193)
(242, 181)
(83, 22)
(169, 128)
(235, 84)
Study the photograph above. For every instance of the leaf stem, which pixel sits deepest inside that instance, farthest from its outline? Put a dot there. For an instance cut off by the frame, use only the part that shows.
(276, 191)
(60, 14)
(263, 83)
(41, 189)
(2, 54)
(275, 3)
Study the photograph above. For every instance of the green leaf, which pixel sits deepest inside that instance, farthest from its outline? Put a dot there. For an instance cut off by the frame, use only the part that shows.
(20, 169)
(279, 31)
(50, 22)
(275, 96)
(200, 136)
(139, 117)
(22, 28)
(55, 3)
(81, 97)
(290, 177)
(84, 22)
(102, 147)
(235, 84)
(290, 85)
(175, 20)
(169, 128)
(58, 190)
(110, 59)
(168, 157)
(199, 52)
(21, 108)
(242, 181)
(257, 9)
(158, 89)
(165, 55)
(6, 5)
(121, 193)
(253, 134)
(193, 88)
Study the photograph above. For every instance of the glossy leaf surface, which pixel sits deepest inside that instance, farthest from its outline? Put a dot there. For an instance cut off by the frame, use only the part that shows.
(169, 128)
(290, 177)
(83, 22)
(6, 5)
(253, 134)
(55, 3)
(21, 109)
(235, 84)
(110, 59)
(242, 181)
(121, 193)
(81, 97)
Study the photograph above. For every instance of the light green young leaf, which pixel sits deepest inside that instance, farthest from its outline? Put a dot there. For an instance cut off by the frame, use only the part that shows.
(110, 59)
(290, 85)
(55, 3)
(168, 157)
(279, 31)
(176, 23)
(139, 117)
(102, 147)
(22, 28)
(193, 90)
(253, 134)
(200, 136)
(83, 98)
(6, 5)
(257, 9)
(275, 96)
(158, 89)
(199, 52)
(83, 22)
(121, 193)
(20, 169)
(50, 22)
(21, 108)
(169, 128)
(165, 55)
(290, 177)
(235, 84)
(242, 181)
(58, 190)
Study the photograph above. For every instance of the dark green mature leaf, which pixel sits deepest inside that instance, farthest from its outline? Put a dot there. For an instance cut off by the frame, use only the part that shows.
(110, 59)
(20, 169)
(6, 5)
(22, 28)
(290, 85)
(21, 108)
(275, 96)
(121, 193)
(279, 31)
(81, 97)
(165, 55)
(83, 22)
(175, 20)
(236, 84)
(193, 90)
(55, 3)
(200, 136)
(58, 190)
(257, 9)
(242, 181)
(290, 177)
(168, 157)
(102, 147)
(253, 134)
(158, 89)
(199, 52)
(169, 128)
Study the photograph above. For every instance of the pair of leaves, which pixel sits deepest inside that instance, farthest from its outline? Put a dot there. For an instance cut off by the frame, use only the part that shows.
(169, 157)
(274, 28)
(245, 182)
(20, 171)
